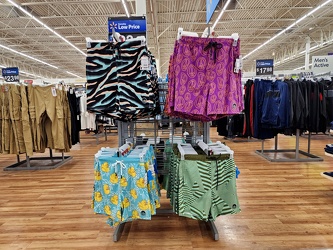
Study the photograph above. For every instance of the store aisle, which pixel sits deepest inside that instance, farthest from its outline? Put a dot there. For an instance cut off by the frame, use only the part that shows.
(284, 206)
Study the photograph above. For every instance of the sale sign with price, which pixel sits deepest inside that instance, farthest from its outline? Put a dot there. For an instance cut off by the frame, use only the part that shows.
(264, 67)
(11, 74)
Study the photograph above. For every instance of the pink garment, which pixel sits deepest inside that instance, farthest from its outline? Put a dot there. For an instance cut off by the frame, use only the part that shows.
(202, 82)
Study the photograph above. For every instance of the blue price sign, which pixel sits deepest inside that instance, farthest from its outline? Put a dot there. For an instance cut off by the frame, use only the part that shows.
(10, 71)
(210, 8)
(129, 27)
(264, 67)
(11, 74)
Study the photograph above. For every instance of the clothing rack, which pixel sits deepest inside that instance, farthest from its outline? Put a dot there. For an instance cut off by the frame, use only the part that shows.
(39, 163)
(126, 133)
(297, 152)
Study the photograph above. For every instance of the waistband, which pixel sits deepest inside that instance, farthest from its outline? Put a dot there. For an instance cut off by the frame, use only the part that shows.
(201, 41)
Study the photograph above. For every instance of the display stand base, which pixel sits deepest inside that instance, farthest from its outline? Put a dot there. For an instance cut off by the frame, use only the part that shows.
(120, 228)
(39, 163)
(309, 157)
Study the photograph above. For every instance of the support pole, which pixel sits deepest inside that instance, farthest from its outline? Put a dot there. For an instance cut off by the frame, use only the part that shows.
(297, 144)
(307, 53)
(276, 142)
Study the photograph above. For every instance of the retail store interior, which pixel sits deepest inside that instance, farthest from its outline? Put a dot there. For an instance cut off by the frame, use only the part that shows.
(168, 124)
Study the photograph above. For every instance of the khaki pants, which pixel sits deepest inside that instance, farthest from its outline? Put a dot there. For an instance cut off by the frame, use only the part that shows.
(32, 116)
(16, 117)
(8, 138)
(47, 104)
(27, 133)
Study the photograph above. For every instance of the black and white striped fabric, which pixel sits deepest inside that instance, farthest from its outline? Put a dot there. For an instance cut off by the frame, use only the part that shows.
(117, 85)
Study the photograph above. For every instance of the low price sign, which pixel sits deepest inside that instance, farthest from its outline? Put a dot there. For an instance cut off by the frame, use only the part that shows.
(11, 74)
(264, 67)
(129, 27)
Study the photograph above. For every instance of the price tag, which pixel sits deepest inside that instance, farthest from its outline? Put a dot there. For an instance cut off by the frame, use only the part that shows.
(11, 78)
(264, 67)
(145, 63)
(265, 71)
(54, 91)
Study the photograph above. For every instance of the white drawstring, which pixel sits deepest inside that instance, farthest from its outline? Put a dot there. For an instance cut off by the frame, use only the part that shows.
(122, 166)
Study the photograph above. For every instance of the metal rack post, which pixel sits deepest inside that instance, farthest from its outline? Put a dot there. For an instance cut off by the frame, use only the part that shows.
(297, 152)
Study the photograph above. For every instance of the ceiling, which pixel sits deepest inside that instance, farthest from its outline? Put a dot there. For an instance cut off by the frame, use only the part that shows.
(74, 20)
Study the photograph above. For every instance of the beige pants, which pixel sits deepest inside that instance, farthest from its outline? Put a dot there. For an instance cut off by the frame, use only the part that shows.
(48, 118)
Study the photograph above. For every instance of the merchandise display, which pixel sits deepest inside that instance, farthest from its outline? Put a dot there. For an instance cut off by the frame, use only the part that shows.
(166, 124)
(35, 118)
(204, 84)
(117, 85)
(126, 186)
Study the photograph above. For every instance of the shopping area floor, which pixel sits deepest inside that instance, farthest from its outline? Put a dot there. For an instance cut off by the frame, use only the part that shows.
(284, 206)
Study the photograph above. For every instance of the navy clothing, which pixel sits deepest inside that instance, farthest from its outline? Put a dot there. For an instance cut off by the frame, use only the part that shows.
(276, 106)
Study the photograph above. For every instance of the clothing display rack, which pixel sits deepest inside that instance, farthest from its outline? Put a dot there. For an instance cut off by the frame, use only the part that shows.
(140, 130)
(39, 163)
(130, 131)
(22, 101)
(126, 132)
(266, 153)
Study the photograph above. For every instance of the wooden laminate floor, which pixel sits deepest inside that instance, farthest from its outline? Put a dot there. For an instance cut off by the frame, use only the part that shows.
(284, 206)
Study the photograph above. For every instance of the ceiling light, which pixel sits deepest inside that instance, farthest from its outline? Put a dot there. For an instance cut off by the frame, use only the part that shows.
(73, 74)
(289, 27)
(302, 52)
(45, 26)
(125, 7)
(302, 67)
(30, 57)
(221, 13)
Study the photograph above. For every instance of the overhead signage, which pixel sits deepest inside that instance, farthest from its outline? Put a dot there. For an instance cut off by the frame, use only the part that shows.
(210, 8)
(11, 74)
(129, 27)
(10, 71)
(264, 67)
(322, 64)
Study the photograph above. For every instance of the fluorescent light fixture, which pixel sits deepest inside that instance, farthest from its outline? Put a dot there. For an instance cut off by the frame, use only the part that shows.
(302, 52)
(29, 74)
(73, 74)
(221, 13)
(25, 55)
(45, 26)
(302, 67)
(125, 7)
(289, 27)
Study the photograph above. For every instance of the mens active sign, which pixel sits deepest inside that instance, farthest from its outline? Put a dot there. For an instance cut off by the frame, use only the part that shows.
(129, 27)
(322, 64)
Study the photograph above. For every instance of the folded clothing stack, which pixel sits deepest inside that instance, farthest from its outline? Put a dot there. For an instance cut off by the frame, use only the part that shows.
(329, 149)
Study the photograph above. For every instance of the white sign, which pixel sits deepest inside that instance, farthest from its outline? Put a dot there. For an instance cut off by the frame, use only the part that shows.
(322, 64)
